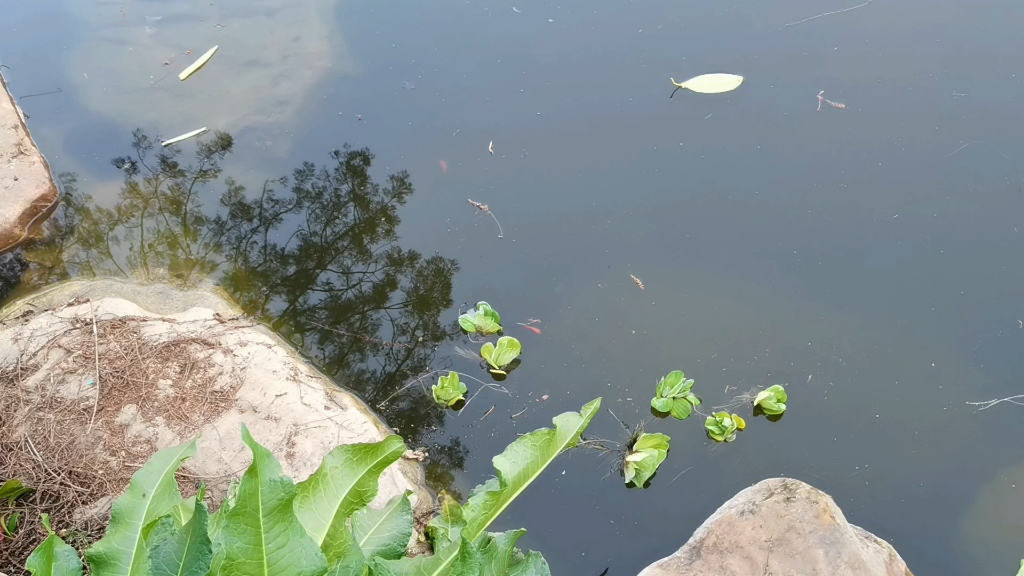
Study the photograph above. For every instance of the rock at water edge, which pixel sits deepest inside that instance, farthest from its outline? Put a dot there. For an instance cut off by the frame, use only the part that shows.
(27, 192)
(781, 526)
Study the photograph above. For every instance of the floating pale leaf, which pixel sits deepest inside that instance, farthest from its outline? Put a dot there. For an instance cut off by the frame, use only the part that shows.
(197, 64)
(184, 136)
(711, 83)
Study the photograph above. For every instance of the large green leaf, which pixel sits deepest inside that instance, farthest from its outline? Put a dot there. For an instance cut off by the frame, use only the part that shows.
(520, 464)
(53, 557)
(152, 493)
(353, 563)
(182, 513)
(500, 557)
(385, 532)
(446, 527)
(185, 551)
(457, 559)
(345, 482)
(261, 534)
(533, 564)
(217, 518)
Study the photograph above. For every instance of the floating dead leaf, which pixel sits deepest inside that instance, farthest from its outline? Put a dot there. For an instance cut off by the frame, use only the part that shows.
(711, 83)
(197, 64)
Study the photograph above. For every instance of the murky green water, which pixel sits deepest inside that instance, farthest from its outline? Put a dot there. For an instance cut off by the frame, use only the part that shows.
(863, 256)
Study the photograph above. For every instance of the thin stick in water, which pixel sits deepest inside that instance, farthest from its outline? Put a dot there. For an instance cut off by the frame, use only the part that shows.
(484, 208)
(57, 91)
(990, 403)
(978, 142)
(517, 414)
(825, 14)
(486, 414)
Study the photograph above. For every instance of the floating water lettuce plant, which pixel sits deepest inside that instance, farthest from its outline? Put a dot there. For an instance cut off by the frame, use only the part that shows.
(722, 426)
(710, 83)
(500, 356)
(673, 396)
(771, 400)
(643, 457)
(449, 390)
(483, 319)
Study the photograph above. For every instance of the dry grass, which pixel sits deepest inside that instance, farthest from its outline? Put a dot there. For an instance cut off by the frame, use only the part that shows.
(59, 420)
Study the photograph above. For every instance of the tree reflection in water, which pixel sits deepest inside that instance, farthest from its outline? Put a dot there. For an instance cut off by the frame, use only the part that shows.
(315, 256)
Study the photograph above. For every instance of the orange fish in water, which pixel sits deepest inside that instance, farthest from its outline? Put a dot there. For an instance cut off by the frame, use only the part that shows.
(443, 165)
(533, 329)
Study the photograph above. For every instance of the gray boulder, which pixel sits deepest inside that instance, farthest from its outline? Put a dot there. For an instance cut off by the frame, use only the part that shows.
(780, 527)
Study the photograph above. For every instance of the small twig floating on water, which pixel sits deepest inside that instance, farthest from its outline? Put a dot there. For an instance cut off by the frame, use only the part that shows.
(488, 413)
(990, 403)
(978, 142)
(57, 91)
(825, 14)
(637, 282)
(517, 414)
(484, 208)
(829, 102)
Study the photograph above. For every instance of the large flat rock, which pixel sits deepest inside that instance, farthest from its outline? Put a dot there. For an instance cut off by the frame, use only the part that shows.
(91, 387)
(781, 526)
(28, 194)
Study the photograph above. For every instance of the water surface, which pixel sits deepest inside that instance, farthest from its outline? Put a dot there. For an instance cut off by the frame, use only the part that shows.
(864, 257)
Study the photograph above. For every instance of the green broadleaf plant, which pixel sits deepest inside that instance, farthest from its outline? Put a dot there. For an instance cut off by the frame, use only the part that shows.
(483, 320)
(520, 464)
(772, 400)
(644, 457)
(385, 532)
(322, 527)
(152, 493)
(500, 356)
(449, 390)
(182, 550)
(53, 557)
(261, 533)
(345, 482)
(722, 426)
(673, 396)
(13, 489)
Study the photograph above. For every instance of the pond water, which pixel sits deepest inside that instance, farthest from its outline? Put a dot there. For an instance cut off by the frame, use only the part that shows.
(867, 257)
